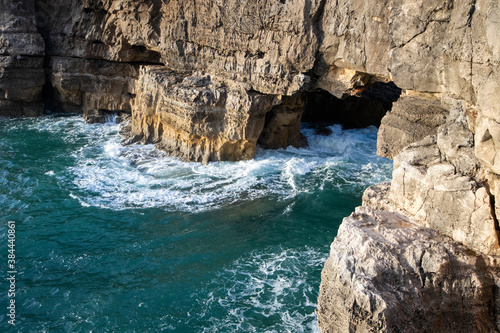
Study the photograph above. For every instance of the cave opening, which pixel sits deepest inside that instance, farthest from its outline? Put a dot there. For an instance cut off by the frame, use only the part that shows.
(358, 108)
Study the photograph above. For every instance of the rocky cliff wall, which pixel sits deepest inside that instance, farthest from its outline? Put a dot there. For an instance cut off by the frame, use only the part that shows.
(209, 80)
(387, 273)
(208, 119)
(381, 274)
(100, 54)
(263, 43)
(95, 50)
(22, 53)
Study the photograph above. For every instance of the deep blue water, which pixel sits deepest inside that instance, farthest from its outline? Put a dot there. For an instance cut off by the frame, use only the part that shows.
(126, 239)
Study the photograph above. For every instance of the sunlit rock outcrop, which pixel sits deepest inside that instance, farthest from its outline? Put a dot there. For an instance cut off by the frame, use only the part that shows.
(387, 273)
(210, 80)
(441, 135)
(198, 118)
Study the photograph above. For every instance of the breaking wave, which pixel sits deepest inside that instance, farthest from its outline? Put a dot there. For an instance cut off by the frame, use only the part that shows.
(227, 247)
(109, 175)
(268, 286)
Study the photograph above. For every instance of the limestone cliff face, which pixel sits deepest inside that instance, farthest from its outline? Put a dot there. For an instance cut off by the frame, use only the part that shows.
(243, 59)
(440, 134)
(210, 80)
(207, 119)
(445, 57)
(264, 43)
(21, 60)
(387, 273)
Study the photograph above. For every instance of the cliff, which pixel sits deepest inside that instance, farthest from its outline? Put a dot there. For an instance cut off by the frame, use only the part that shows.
(422, 254)
(22, 52)
(210, 80)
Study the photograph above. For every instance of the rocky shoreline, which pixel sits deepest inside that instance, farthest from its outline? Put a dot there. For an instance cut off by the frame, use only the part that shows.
(211, 80)
(388, 273)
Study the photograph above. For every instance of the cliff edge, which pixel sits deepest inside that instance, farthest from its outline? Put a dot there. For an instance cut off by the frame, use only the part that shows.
(421, 255)
(210, 80)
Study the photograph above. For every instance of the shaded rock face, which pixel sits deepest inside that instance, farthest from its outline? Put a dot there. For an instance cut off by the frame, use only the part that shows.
(359, 107)
(283, 122)
(21, 60)
(90, 86)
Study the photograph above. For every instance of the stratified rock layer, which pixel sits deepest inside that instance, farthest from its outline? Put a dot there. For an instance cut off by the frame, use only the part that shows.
(258, 53)
(265, 43)
(386, 273)
(209, 80)
(197, 118)
(91, 86)
(423, 256)
(21, 60)
(410, 120)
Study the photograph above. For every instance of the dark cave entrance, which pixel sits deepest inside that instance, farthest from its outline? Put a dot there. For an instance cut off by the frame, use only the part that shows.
(360, 107)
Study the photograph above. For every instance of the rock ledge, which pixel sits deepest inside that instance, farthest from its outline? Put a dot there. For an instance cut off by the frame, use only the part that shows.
(386, 273)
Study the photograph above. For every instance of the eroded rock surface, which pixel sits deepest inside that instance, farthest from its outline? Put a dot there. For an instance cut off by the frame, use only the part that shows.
(386, 273)
(265, 43)
(282, 126)
(21, 60)
(91, 87)
(410, 120)
(422, 253)
(209, 80)
(260, 53)
(198, 118)
(442, 204)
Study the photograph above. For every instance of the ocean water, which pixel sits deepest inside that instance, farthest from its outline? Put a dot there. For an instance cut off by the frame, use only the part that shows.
(126, 239)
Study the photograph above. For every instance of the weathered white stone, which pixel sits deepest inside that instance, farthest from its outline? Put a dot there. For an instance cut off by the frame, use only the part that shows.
(452, 204)
(410, 120)
(387, 274)
(488, 143)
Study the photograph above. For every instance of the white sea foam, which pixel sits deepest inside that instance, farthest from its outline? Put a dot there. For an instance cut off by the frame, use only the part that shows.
(110, 175)
(110, 117)
(268, 285)
(107, 174)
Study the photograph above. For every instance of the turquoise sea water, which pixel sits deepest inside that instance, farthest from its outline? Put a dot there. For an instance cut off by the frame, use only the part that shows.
(126, 239)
